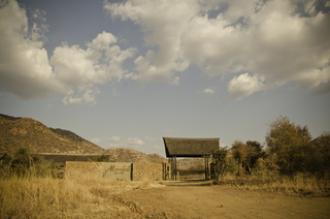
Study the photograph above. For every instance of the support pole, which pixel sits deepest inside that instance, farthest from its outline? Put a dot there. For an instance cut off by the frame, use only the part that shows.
(206, 167)
(175, 170)
(131, 176)
(172, 168)
(205, 176)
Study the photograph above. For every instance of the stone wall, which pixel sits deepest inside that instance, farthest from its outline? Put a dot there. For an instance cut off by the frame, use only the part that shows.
(112, 171)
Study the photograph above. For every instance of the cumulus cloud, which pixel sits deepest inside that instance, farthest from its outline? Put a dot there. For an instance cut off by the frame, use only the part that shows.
(278, 41)
(145, 144)
(81, 70)
(316, 79)
(275, 41)
(245, 85)
(208, 91)
(24, 64)
(72, 70)
(163, 23)
(116, 141)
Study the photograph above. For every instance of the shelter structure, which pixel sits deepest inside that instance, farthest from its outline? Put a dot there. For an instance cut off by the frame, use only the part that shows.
(188, 148)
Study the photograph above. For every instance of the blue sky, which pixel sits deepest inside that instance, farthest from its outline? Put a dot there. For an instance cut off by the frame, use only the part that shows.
(127, 73)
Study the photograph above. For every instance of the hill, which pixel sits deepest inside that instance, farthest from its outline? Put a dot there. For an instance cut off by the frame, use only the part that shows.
(18, 132)
(122, 154)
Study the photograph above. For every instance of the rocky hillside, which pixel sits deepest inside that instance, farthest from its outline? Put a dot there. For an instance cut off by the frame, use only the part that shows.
(131, 155)
(18, 132)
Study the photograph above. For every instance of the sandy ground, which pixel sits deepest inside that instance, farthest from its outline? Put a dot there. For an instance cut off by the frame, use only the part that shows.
(220, 202)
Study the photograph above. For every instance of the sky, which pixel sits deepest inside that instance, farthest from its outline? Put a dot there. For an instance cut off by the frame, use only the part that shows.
(127, 73)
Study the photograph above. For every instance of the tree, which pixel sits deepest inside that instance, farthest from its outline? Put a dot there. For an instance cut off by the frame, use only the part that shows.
(255, 152)
(246, 155)
(239, 152)
(219, 160)
(318, 161)
(22, 162)
(287, 142)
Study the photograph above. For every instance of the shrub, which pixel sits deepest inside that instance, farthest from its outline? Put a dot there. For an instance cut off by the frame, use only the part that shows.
(246, 155)
(288, 143)
(219, 160)
(22, 162)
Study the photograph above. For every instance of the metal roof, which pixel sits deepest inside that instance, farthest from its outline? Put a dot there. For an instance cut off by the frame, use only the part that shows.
(190, 147)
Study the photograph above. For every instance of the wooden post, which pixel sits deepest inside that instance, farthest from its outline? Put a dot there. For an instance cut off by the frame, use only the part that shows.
(172, 167)
(175, 170)
(206, 167)
(205, 177)
(165, 171)
(131, 171)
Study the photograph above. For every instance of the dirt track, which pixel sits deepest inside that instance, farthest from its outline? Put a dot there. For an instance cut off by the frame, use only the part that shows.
(222, 202)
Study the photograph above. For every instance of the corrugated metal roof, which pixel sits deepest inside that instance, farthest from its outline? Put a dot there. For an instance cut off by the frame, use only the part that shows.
(190, 147)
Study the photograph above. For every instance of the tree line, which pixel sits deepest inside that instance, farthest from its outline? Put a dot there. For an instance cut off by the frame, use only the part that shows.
(289, 150)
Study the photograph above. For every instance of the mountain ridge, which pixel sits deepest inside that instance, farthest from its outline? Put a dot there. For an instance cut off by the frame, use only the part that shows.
(26, 132)
(18, 132)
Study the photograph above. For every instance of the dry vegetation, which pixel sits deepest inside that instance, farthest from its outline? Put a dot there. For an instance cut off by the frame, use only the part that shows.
(299, 184)
(293, 169)
(46, 197)
(32, 192)
(36, 197)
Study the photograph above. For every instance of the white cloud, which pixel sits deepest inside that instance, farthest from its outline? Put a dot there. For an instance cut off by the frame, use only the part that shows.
(81, 70)
(24, 65)
(145, 144)
(245, 85)
(117, 141)
(72, 71)
(163, 23)
(317, 78)
(208, 91)
(135, 141)
(274, 40)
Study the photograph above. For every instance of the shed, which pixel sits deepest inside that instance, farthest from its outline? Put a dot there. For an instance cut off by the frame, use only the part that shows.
(188, 147)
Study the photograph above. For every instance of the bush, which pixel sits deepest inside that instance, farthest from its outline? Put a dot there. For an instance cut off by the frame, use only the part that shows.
(246, 155)
(219, 160)
(22, 164)
(288, 143)
(318, 156)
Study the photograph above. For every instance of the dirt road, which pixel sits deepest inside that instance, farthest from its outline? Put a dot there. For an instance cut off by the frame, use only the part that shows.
(222, 202)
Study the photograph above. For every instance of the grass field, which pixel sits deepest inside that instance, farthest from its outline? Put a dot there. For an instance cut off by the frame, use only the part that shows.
(47, 197)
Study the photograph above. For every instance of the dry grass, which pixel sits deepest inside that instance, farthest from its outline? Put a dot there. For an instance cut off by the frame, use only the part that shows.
(47, 197)
(299, 184)
(62, 198)
(36, 197)
(43, 198)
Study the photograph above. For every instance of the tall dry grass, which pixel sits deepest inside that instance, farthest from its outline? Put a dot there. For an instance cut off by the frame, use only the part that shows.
(301, 184)
(47, 197)
(43, 198)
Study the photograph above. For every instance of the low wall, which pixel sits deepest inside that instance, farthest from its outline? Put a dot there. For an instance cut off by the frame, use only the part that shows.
(112, 171)
(146, 170)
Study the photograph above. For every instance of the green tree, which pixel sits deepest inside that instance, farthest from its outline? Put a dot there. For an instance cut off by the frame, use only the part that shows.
(246, 155)
(22, 162)
(287, 142)
(255, 152)
(239, 152)
(5, 164)
(219, 160)
(318, 160)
